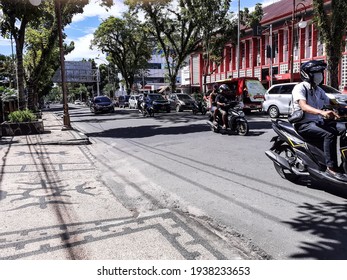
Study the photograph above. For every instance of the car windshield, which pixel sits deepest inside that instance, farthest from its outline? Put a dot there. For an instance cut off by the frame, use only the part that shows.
(329, 89)
(101, 99)
(156, 97)
(184, 97)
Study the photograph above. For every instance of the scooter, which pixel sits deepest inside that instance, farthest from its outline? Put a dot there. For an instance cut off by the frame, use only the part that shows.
(200, 107)
(146, 109)
(237, 123)
(294, 157)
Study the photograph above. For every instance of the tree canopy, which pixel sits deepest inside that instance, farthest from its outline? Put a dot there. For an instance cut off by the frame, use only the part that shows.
(332, 25)
(127, 43)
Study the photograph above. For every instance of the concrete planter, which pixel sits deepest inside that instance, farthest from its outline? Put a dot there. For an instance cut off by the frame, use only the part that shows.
(24, 128)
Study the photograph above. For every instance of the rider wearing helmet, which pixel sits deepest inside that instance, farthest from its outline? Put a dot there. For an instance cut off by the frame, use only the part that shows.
(223, 99)
(309, 97)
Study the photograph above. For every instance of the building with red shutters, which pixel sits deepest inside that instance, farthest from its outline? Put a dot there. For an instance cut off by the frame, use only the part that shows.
(303, 43)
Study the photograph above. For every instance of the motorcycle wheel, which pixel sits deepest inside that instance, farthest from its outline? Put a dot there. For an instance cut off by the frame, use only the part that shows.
(242, 128)
(287, 152)
(203, 111)
(151, 113)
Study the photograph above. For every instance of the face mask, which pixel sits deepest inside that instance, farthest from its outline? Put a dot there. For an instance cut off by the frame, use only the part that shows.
(317, 78)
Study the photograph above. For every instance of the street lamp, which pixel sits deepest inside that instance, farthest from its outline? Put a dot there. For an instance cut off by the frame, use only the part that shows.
(302, 24)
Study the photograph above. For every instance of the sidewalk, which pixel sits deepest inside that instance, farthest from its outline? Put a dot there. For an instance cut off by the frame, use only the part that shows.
(55, 205)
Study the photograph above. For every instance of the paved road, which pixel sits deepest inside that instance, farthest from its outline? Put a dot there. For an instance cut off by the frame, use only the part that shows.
(174, 161)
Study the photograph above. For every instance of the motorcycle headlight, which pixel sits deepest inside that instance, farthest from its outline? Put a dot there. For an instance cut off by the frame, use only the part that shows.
(241, 113)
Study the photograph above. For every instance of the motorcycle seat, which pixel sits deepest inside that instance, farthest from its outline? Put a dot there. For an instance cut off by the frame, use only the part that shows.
(288, 127)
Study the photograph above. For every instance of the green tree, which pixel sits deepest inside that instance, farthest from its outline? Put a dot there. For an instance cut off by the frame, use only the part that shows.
(252, 19)
(127, 44)
(217, 28)
(18, 14)
(7, 69)
(185, 28)
(332, 25)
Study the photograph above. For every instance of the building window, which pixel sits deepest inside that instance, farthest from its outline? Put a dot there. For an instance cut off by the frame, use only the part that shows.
(154, 65)
(320, 46)
(285, 45)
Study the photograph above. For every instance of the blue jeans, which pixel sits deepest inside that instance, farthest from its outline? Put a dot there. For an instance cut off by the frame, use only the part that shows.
(328, 133)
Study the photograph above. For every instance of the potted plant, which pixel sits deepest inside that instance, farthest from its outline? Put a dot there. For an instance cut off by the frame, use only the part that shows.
(22, 122)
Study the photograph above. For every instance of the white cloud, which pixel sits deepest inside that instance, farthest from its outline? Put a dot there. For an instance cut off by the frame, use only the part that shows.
(94, 9)
(82, 49)
(82, 44)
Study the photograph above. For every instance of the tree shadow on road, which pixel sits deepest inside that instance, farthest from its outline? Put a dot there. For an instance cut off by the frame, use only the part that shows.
(326, 220)
(149, 130)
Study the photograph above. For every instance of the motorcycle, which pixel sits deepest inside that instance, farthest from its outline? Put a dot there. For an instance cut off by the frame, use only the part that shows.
(295, 158)
(200, 107)
(237, 123)
(147, 109)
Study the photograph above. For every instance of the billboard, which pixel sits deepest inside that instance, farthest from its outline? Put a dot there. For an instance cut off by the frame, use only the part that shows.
(76, 72)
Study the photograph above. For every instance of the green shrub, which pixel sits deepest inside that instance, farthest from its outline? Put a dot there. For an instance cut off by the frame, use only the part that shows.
(22, 116)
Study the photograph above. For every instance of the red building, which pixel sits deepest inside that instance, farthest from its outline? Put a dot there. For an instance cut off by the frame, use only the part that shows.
(304, 42)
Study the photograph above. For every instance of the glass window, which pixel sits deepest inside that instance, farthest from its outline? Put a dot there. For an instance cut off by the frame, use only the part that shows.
(274, 90)
(287, 89)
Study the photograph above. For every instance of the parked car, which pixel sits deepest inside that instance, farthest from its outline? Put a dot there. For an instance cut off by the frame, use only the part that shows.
(159, 103)
(181, 101)
(100, 104)
(133, 101)
(123, 101)
(278, 98)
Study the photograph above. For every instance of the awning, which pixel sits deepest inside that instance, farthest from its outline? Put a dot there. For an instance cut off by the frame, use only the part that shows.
(163, 88)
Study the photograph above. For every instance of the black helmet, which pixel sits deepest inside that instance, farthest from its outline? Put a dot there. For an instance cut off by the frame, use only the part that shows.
(308, 68)
(223, 87)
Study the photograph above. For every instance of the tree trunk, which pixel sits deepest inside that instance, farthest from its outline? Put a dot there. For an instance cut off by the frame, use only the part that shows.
(333, 60)
(20, 78)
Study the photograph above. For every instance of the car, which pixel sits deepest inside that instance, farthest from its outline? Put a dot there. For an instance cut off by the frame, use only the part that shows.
(101, 104)
(159, 103)
(123, 101)
(181, 101)
(278, 98)
(133, 101)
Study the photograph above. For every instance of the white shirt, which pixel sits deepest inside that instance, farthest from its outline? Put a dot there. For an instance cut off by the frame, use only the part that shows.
(315, 98)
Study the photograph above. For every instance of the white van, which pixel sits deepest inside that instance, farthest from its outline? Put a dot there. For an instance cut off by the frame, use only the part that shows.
(278, 98)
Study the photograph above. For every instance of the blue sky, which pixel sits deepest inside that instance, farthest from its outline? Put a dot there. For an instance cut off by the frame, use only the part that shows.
(83, 25)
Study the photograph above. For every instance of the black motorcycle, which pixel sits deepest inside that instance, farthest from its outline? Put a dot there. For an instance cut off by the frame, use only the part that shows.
(200, 107)
(146, 109)
(237, 123)
(295, 158)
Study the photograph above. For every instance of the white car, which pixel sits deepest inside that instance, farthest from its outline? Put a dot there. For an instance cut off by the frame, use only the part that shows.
(278, 98)
(133, 101)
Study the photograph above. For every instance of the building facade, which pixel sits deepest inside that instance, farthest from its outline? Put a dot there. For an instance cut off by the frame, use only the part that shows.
(298, 39)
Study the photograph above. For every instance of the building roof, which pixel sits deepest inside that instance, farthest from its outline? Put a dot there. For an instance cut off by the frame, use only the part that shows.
(283, 9)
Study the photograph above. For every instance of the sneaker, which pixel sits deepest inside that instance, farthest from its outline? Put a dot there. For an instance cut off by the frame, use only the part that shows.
(224, 127)
(334, 173)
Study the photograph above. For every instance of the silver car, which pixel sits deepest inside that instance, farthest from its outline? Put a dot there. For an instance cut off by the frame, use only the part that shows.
(133, 101)
(278, 98)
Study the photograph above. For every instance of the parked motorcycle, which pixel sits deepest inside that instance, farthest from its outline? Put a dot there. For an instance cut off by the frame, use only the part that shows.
(237, 123)
(200, 107)
(294, 157)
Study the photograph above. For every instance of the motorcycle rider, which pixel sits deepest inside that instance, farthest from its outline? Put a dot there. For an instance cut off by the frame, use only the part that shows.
(224, 97)
(211, 101)
(308, 96)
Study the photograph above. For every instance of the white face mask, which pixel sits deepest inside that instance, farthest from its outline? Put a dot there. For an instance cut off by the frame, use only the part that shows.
(317, 78)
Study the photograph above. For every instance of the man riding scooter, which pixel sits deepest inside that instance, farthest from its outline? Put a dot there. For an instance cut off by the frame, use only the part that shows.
(317, 124)
(223, 99)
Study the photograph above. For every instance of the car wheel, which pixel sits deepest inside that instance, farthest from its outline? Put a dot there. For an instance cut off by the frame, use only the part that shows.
(273, 112)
